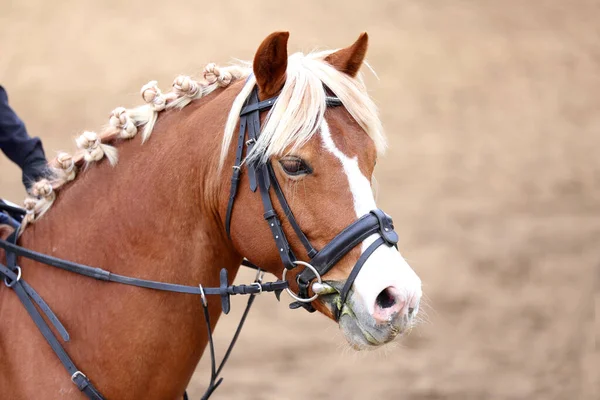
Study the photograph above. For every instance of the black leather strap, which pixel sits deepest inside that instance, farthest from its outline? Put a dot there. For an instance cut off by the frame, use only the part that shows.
(235, 177)
(260, 106)
(283, 247)
(18, 285)
(253, 133)
(101, 274)
(376, 222)
(25, 293)
(341, 245)
(80, 380)
(386, 227)
(215, 381)
(352, 277)
(310, 250)
(10, 276)
(266, 104)
(250, 120)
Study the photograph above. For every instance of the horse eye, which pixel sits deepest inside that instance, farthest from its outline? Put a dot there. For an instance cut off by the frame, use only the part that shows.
(295, 166)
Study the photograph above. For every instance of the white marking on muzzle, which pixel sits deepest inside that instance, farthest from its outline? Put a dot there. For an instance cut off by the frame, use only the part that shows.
(385, 267)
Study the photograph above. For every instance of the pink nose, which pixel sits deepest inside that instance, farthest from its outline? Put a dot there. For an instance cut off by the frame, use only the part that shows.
(391, 303)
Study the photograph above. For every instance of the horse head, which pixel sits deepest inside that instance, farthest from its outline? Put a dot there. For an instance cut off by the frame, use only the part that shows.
(323, 160)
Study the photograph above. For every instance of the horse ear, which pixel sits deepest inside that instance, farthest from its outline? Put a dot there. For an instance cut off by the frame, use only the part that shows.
(270, 63)
(350, 59)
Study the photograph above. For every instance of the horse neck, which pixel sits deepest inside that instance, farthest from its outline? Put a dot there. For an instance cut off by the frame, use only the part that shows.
(155, 215)
(160, 202)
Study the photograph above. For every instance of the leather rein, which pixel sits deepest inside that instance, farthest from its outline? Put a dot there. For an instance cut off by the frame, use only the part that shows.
(261, 177)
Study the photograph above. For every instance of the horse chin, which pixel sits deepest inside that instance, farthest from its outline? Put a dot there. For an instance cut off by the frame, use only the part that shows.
(362, 333)
(361, 338)
(356, 337)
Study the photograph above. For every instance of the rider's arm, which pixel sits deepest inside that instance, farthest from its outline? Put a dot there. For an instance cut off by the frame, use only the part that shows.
(23, 150)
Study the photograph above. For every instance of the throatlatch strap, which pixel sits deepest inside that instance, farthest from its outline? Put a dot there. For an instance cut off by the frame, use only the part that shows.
(253, 132)
(235, 177)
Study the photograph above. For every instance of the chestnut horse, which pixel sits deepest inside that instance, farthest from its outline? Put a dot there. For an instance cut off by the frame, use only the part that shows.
(159, 213)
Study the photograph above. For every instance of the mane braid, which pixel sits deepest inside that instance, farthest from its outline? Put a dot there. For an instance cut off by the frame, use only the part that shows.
(292, 121)
(123, 124)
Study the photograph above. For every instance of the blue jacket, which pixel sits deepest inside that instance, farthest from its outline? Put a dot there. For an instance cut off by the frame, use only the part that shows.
(23, 150)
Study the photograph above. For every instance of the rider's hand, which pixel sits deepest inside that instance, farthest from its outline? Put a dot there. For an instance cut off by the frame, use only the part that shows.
(34, 169)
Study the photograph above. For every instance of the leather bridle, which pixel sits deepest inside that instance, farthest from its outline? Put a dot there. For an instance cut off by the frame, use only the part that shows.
(262, 177)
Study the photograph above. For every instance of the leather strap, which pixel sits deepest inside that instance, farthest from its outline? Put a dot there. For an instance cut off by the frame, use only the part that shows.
(253, 133)
(18, 286)
(283, 248)
(310, 250)
(352, 277)
(330, 101)
(101, 274)
(235, 178)
(376, 222)
(25, 293)
(215, 381)
(250, 120)
(253, 106)
(11, 276)
(349, 238)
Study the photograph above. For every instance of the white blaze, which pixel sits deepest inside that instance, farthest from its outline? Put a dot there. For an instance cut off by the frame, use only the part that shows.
(385, 267)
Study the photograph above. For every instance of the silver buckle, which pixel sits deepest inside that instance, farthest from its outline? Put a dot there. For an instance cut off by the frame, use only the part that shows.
(11, 284)
(250, 141)
(204, 302)
(258, 285)
(75, 376)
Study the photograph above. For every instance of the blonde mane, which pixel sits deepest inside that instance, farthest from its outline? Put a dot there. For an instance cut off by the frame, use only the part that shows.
(291, 122)
(300, 107)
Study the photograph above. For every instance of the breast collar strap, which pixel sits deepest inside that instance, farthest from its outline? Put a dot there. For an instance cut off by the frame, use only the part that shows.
(262, 176)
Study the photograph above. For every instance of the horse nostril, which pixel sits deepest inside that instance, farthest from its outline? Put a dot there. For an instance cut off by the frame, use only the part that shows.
(410, 311)
(385, 299)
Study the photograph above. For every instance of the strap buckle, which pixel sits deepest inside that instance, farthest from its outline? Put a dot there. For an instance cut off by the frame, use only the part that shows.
(258, 285)
(12, 283)
(203, 296)
(75, 374)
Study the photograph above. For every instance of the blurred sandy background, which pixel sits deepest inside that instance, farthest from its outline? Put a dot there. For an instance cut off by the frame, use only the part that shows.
(493, 113)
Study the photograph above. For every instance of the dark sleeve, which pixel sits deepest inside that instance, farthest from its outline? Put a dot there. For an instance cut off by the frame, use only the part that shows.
(25, 151)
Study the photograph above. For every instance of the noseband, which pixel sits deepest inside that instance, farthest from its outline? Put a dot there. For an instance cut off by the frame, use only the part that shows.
(262, 177)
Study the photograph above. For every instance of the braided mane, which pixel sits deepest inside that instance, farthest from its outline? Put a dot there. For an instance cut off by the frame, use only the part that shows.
(291, 122)
(124, 124)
